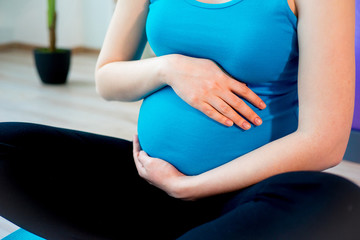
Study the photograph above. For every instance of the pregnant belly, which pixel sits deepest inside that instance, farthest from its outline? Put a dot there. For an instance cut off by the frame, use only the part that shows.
(172, 130)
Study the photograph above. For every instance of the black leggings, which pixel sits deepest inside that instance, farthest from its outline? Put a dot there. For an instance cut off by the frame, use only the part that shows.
(65, 184)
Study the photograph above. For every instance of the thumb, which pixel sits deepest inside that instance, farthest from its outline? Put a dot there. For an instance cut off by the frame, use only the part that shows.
(144, 158)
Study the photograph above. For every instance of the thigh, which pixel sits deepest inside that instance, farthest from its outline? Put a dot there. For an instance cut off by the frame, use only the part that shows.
(54, 179)
(299, 205)
(66, 184)
(37, 155)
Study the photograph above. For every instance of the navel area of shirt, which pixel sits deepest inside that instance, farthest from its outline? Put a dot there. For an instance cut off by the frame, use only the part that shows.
(255, 41)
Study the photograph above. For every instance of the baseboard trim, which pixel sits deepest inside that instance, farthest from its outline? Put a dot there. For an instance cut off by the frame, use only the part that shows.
(30, 47)
(353, 149)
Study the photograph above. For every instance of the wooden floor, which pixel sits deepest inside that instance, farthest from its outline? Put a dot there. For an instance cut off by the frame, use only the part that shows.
(74, 105)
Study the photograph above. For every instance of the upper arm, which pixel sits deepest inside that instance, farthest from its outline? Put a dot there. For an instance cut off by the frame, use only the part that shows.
(125, 38)
(326, 33)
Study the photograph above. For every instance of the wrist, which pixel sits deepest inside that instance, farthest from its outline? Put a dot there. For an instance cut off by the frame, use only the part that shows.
(167, 68)
(186, 189)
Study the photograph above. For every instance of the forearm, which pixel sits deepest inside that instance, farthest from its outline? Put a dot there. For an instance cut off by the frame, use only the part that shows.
(295, 152)
(130, 80)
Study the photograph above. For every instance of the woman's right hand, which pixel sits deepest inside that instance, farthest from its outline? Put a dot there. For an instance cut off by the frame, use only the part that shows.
(205, 86)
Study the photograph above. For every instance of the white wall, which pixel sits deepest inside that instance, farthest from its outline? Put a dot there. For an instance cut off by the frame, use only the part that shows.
(80, 22)
(7, 9)
(96, 18)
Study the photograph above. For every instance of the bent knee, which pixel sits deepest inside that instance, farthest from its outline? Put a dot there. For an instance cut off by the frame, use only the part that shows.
(14, 136)
(315, 187)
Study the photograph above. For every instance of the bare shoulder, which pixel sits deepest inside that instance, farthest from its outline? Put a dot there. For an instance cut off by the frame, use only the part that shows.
(324, 5)
(334, 19)
(132, 2)
(292, 6)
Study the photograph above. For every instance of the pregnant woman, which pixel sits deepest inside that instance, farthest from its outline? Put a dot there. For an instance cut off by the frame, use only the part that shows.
(245, 103)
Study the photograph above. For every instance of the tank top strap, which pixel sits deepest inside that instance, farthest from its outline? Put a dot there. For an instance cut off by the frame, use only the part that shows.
(275, 8)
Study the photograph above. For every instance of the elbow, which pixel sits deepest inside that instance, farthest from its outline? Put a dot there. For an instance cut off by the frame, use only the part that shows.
(332, 160)
(332, 154)
(101, 85)
(336, 147)
(113, 88)
(100, 90)
(337, 152)
(327, 151)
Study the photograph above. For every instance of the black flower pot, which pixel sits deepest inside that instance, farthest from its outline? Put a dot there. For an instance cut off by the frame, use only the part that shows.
(53, 67)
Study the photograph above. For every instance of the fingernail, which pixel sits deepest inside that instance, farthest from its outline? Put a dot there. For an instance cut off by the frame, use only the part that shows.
(262, 105)
(229, 123)
(246, 126)
(258, 121)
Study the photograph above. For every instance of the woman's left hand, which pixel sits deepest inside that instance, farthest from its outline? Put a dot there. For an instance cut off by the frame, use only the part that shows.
(159, 172)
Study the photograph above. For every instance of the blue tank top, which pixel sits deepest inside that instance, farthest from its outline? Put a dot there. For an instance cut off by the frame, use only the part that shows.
(255, 41)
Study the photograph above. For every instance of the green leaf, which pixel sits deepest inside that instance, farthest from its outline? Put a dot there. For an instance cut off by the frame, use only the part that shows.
(51, 12)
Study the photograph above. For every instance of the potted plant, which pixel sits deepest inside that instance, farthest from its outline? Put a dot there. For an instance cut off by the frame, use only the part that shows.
(52, 63)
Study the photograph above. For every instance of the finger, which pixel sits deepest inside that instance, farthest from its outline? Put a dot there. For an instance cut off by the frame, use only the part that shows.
(212, 113)
(136, 146)
(144, 163)
(242, 90)
(225, 109)
(145, 160)
(242, 107)
(136, 152)
(136, 143)
(139, 167)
